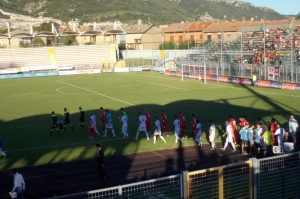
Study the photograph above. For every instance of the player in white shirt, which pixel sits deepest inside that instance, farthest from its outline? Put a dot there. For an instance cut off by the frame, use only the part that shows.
(124, 124)
(212, 134)
(229, 138)
(280, 135)
(93, 118)
(177, 129)
(142, 126)
(157, 131)
(293, 126)
(198, 132)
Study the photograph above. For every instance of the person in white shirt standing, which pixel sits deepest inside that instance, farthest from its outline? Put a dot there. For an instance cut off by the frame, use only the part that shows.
(293, 127)
(157, 131)
(177, 129)
(198, 132)
(124, 124)
(280, 135)
(212, 134)
(142, 126)
(229, 138)
(93, 118)
(19, 184)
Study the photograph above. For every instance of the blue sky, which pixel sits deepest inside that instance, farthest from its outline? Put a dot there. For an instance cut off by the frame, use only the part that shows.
(281, 6)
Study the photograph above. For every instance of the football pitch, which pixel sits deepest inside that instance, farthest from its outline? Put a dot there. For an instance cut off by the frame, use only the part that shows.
(26, 106)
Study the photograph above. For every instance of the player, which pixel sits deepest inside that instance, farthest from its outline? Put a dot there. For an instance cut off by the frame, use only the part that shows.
(177, 129)
(258, 121)
(293, 126)
(280, 135)
(108, 123)
(193, 123)
(157, 131)
(81, 117)
(244, 137)
(182, 125)
(147, 115)
(54, 123)
(164, 121)
(124, 113)
(273, 128)
(124, 125)
(243, 121)
(258, 132)
(91, 129)
(212, 134)
(60, 125)
(142, 126)
(250, 135)
(102, 119)
(67, 120)
(232, 122)
(229, 138)
(93, 118)
(198, 132)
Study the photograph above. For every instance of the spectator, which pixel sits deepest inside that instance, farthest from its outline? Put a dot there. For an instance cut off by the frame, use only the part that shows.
(100, 162)
(19, 185)
(280, 135)
(293, 126)
(1, 152)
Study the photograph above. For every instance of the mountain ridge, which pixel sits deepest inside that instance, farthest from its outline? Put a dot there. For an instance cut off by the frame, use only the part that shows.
(129, 11)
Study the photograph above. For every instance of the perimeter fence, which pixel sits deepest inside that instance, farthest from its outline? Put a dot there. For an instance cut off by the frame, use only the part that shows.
(268, 178)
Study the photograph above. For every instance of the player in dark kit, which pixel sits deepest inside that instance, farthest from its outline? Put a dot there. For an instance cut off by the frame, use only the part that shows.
(67, 120)
(54, 123)
(81, 117)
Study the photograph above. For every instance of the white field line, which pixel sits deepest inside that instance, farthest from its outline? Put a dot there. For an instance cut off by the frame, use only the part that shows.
(269, 93)
(163, 85)
(58, 90)
(61, 145)
(95, 93)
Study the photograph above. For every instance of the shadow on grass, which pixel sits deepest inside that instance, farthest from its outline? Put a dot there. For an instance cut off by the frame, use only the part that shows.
(68, 162)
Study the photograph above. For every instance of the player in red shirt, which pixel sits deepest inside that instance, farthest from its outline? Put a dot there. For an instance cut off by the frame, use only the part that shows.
(273, 128)
(164, 121)
(91, 129)
(147, 115)
(193, 123)
(102, 119)
(232, 122)
(182, 125)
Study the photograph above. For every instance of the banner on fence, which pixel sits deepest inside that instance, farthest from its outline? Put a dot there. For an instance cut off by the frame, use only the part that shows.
(121, 70)
(298, 87)
(277, 71)
(9, 71)
(25, 75)
(264, 83)
(274, 84)
(223, 78)
(65, 67)
(289, 86)
(76, 72)
(135, 69)
(271, 75)
(33, 68)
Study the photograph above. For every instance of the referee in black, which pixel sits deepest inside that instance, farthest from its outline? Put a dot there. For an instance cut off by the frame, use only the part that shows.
(100, 162)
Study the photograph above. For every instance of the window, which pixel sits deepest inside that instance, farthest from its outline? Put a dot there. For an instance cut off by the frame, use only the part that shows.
(180, 38)
(201, 37)
(228, 35)
(208, 37)
(172, 38)
(137, 41)
(191, 37)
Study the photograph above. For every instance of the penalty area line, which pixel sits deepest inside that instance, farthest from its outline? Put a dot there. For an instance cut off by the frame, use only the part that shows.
(95, 92)
(163, 85)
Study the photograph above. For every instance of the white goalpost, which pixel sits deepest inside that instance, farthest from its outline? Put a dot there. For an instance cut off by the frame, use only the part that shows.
(193, 71)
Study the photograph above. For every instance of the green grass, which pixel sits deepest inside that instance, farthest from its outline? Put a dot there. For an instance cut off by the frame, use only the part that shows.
(26, 105)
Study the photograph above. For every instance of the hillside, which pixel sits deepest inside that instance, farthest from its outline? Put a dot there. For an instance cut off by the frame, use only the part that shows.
(129, 11)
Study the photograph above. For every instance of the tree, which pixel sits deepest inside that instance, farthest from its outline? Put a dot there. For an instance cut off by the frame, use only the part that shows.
(122, 46)
(38, 42)
(167, 45)
(46, 27)
(69, 40)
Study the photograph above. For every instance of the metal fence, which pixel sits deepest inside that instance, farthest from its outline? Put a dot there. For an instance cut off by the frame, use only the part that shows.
(268, 178)
(230, 181)
(277, 177)
(160, 188)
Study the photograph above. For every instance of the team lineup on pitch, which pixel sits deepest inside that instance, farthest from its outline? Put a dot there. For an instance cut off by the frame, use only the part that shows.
(134, 92)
